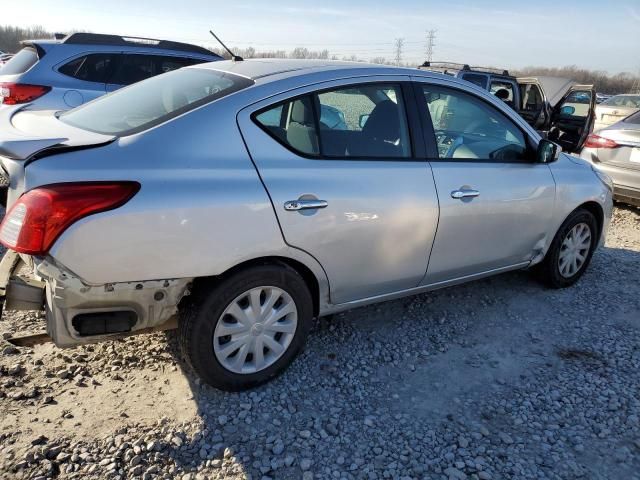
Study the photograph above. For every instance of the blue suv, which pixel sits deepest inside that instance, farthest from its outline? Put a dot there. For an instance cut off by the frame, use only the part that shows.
(67, 72)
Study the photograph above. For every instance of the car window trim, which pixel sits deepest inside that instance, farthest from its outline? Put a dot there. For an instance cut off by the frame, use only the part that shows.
(431, 145)
(410, 124)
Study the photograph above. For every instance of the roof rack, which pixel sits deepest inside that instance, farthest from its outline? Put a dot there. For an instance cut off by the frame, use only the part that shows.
(102, 39)
(464, 66)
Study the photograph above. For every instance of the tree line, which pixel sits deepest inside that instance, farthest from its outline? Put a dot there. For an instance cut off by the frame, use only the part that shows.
(604, 82)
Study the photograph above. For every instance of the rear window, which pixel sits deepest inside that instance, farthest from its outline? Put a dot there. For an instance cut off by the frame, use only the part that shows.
(153, 101)
(632, 101)
(21, 62)
(635, 119)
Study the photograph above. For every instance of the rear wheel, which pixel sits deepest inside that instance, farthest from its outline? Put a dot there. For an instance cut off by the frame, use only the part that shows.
(571, 250)
(247, 328)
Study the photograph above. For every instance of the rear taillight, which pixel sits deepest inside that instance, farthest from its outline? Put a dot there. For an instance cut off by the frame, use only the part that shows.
(16, 93)
(40, 216)
(596, 141)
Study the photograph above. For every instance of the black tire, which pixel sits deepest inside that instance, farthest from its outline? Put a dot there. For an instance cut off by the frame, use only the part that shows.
(549, 269)
(199, 319)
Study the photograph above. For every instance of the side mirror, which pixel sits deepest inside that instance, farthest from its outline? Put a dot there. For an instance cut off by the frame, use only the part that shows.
(547, 152)
(567, 110)
(363, 120)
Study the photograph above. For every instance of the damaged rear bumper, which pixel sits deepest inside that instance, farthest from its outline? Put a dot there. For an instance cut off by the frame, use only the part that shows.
(78, 312)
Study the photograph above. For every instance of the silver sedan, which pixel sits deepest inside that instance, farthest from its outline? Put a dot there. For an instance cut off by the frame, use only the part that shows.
(248, 198)
(616, 151)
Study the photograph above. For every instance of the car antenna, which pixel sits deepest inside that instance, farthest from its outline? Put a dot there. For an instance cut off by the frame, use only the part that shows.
(234, 57)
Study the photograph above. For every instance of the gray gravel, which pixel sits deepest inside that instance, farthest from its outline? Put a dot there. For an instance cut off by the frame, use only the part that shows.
(500, 378)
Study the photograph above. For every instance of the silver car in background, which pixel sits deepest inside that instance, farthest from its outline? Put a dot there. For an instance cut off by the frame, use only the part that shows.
(614, 109)
(615, 150)
(226, 194)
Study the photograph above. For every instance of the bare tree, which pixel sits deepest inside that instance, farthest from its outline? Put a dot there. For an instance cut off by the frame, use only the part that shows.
(398, 47)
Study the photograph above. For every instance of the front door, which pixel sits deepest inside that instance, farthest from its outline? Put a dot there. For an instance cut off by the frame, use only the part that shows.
(346, 184)
(573, 118)
(495, 203)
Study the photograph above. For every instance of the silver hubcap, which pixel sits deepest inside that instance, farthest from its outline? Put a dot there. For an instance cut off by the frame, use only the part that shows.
(255, 330)
(574, 250)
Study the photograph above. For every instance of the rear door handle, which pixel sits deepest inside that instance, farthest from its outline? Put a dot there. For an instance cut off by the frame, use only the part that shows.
(459, 194)
(294, 205)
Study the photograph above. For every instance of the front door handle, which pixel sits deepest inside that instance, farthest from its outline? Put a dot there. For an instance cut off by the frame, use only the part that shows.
(295, 205)
(459, 194)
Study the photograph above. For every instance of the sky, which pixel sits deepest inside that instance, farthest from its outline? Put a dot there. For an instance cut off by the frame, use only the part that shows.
(507, 34)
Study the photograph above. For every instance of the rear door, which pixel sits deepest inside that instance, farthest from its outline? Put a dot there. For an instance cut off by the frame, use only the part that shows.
(573, 118)
(347, 183)
(496, 204)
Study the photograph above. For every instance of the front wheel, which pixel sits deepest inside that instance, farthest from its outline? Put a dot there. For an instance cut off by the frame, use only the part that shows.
(248, 328)
(570, 251)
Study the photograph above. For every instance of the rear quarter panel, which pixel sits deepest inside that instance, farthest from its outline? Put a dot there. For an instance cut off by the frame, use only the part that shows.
(201, 208)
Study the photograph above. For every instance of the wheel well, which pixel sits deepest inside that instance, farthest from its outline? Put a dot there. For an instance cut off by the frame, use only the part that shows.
(304, 271)
(595, 209)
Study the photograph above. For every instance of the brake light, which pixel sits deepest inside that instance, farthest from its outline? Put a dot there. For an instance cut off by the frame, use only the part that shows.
(596, 141)
(40, 216)
(16, 93)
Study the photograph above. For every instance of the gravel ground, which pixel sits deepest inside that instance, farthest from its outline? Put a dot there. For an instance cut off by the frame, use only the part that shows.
(500, 378)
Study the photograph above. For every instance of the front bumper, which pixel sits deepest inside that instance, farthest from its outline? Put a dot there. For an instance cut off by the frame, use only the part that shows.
(80, 313)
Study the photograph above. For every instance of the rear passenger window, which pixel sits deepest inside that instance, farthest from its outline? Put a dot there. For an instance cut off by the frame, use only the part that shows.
(168, 64)
(90, 68)
(297, 129)
(365, 121)
(504, 91)
(133, 69)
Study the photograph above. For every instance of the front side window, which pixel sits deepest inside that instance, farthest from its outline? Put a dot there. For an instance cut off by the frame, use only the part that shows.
(156, 100)
(90, 68)
(577, 104)
(364, 121)
(467, 128)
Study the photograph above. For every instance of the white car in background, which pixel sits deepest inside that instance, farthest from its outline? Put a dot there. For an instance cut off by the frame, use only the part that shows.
(615, 109)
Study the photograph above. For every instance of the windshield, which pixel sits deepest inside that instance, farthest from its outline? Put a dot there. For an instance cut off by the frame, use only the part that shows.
(20, 62)
(153, 101)
(632, 101)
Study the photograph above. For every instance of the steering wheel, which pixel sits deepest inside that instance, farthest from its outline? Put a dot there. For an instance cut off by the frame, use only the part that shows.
(446, 141)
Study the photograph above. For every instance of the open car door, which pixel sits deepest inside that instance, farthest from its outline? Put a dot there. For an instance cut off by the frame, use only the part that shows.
(573, 117)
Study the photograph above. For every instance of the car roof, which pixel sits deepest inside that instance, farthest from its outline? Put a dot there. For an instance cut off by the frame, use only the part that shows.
(264, 68)
(80, 41)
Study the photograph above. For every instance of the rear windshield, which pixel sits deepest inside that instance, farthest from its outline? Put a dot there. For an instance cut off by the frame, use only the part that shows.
(632, 101)
(21, 62)
(635, 119)
(153, 101)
